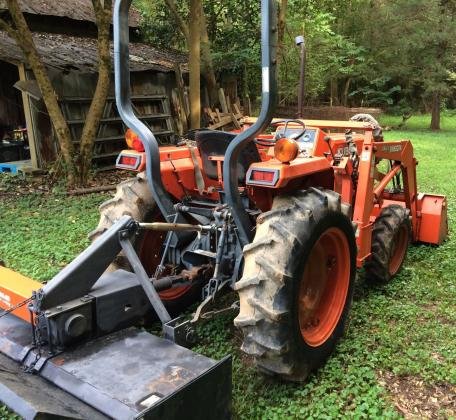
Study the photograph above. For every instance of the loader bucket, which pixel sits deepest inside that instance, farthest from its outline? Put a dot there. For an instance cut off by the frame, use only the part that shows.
(128, 374)
(433, 221)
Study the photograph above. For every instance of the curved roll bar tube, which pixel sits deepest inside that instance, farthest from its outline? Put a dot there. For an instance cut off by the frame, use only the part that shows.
(230, 176)
(268, 102)
(123, 101)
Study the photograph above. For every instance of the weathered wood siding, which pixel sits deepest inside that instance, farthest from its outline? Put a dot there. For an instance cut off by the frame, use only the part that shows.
(75, 89)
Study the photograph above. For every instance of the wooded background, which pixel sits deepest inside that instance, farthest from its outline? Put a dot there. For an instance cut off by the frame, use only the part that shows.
(398, 55)
(394, 54)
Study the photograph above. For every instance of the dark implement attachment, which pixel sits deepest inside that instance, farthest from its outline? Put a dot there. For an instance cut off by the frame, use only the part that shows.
(82, 357)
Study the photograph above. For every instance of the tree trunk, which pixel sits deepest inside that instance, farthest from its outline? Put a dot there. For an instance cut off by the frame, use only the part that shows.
(334, 92)
(195, 63)
(435, 112)
(24, 39)
(280, 56)
(90, 129)
(245, 91)
(178, 18)
(206, 63)
(281, 29)
(346, 89)
(207, 66)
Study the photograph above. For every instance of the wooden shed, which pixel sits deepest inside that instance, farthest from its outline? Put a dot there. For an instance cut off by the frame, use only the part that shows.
(65, 35)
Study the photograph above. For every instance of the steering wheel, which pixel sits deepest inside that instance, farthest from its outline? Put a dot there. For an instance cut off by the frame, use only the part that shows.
(269, 143)
(287, 122)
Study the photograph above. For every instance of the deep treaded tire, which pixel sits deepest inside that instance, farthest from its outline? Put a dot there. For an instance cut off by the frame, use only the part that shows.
(390, 241)
(133, 198)
(295, 233)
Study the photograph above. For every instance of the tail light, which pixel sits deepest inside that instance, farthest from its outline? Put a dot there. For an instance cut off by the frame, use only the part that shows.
(262, 176)
(131, 160)
(133, 141)
(266, 177)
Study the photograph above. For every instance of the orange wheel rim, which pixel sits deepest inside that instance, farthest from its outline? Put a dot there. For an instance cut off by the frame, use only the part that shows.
(324, 287)
(400, 245)
(149, 252)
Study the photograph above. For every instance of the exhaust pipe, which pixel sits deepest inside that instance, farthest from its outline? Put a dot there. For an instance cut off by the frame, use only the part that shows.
(268, 103)
(300, 42)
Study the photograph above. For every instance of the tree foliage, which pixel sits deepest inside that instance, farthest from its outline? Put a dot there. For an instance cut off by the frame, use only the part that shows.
(398, 54)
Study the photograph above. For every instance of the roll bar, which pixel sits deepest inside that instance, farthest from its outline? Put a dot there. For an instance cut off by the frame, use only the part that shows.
(268, 102)
(123, 101)
(230, 172)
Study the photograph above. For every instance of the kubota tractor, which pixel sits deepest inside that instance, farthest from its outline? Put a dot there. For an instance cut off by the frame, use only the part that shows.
(283, 212)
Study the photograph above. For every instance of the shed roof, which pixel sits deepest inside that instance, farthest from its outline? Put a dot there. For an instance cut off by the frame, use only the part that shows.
(68, 52)
(72, 9)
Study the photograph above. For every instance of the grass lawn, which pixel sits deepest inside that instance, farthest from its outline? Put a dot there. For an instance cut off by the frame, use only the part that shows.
(399, 355)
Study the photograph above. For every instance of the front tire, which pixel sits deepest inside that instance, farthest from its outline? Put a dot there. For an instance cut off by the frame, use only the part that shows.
(390, 240)
(297, 285)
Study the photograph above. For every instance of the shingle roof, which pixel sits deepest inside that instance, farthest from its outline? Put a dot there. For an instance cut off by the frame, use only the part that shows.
(79, 53)
(72, 9)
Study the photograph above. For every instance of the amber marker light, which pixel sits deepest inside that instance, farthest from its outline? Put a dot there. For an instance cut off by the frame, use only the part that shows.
(133, 141)
(286, 150)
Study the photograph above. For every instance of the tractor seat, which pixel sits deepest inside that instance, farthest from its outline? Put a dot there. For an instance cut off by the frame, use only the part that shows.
(215, 143)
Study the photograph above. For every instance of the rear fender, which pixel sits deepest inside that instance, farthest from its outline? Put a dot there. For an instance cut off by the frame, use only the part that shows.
(284, 173)
(179, 177)
(177, 171)
(263, 197)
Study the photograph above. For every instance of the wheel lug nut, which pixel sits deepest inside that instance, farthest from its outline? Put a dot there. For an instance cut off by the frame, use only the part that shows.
(331, 262)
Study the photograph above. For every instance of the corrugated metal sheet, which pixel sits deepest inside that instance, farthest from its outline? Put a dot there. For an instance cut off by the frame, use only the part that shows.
(72, 9)
(68, 53)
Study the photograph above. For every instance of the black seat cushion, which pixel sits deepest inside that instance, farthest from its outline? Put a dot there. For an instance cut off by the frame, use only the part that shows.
(215, 143)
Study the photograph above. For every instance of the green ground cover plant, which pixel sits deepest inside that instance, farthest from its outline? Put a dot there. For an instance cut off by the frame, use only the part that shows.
(399, 355)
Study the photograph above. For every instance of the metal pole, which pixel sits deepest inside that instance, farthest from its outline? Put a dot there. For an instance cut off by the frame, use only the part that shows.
(144, 281)
(300, 42)
(195, 63)
(125, 108)
(268, 102)
(174, 227)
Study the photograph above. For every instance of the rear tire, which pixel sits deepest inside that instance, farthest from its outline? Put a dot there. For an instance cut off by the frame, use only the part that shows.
(390, 240)
(133, 198)
(291, 323)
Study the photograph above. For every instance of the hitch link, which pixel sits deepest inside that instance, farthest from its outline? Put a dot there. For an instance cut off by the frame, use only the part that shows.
(175, 227)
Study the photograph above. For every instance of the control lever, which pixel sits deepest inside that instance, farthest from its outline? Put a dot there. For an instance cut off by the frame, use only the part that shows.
(327, 139)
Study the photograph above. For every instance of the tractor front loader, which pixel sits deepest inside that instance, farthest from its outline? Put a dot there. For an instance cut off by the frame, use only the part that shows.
(282, 212)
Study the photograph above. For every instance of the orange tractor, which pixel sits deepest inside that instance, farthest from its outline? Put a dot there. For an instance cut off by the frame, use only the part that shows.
(283, 212)
(319, 205)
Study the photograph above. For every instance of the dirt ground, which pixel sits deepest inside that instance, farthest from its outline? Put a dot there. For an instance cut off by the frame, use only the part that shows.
(415, 399)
